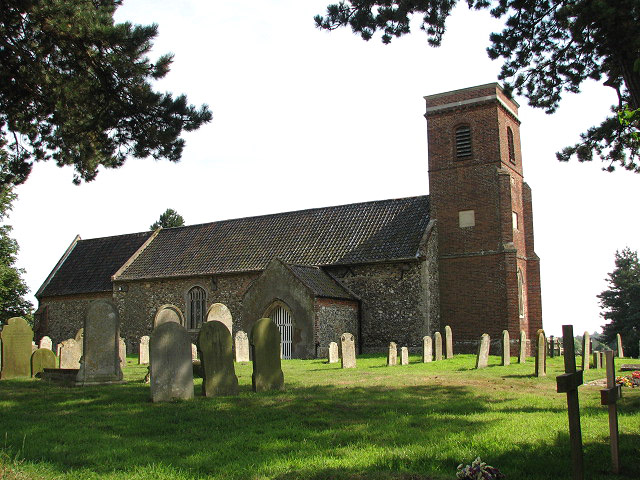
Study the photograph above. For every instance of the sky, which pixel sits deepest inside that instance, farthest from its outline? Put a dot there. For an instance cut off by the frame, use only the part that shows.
(304, 118)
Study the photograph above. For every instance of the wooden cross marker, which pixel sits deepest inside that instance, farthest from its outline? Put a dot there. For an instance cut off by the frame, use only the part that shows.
(568, 383)
(609, 396)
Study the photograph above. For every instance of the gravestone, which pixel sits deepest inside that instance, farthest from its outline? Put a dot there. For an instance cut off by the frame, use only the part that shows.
(242, 346)
(596, 360)
(506, 348)
(41, 359)
(265, 350)
(601, 359)
(143, 351)
(404, 356)
(482, 360)
(16, 337)
(333, 353)
(348, 350)
(392, 355)
(619, 352)
(171, 366)
(216, 350)
(609, 396)
(568, 383)
(34, 347)
(101, 357)
(448, 337)
(79, 336)
(586, 350)
(122, 352)
(168, 313)
(541, 355)
(70, 354)
(552, 346)
(438, 342)
(522, 352)
(218, 312)
(427, 349)
(45, 342)
(194, 352)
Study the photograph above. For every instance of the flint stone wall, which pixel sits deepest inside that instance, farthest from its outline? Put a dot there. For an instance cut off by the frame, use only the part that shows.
(333, 318)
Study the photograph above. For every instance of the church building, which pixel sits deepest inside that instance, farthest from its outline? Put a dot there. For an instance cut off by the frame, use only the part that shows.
(387, 270)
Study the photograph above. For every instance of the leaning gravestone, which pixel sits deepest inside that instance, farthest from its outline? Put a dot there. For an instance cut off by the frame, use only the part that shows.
(16, 338)
(522, 353)
(242, 346)
(482, 360)
(619, 351)
(171, 366)
(216, 351)
(448, 337)
(427, 349)
(45, 342)
(506, 348)
(168, 313)
(70, 354)
(586, 351)
(41, 359)
(218, 312)
(404, 356)
(392, 355)
(143, 351)
(265, 349)
(438, 342)
(333, 353)
(122, 350)
(101, 357)
(541, 355)
(348, 350)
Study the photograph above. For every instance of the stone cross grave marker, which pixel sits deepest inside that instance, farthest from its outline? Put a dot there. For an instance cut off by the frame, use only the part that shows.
(265, 349)
(438, 341)
(586, 351)
(348, 350)
(242, 346)
(70, 354)
(333, 353)
(522, 352)
(541, 355)
(218, 312)
(404, 356)
(16, 338)
(216, 350)
(143, 351)
(45, 342)
(392, 355)
(448, 340)
(122, 352)
(506, 348)
(427, 349)
(609, 396)
(620, 352)
(41, 359)
(568, 383)
(171, 367)
(482, 360)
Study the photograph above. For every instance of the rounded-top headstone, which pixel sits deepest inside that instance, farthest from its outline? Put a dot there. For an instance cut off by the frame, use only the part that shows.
(143, 350)
(215, 345)
(265, 346)
(482, 360)
(45, 342)
(427, 349)
(218, 312)
(171, 365)
(242, 346)
(168, 313)
(392, 356)
(348, 350)
(16, 338)
(41, 359)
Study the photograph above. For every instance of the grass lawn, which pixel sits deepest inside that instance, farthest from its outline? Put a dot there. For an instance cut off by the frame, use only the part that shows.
(413, 422)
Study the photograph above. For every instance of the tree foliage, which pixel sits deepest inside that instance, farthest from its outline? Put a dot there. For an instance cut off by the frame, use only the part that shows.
(12, 287)
(75, 88)
(621, 302)
(169, 219)
(549, 47)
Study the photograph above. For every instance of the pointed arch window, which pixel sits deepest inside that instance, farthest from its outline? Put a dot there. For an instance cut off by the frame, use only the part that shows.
(463, 142)
(511, 145)
(197, 308)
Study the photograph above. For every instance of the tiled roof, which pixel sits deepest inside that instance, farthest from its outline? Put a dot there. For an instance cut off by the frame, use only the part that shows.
(347, 234)
(320, 282)
(89, 266)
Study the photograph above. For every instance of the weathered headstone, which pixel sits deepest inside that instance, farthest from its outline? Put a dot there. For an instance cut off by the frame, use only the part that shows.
(265, 349)
(601, 359)
(448, 337)
(438, 341)
(16, 338)
(242, 346)
(122, 352)
(216, 350)
(404, 356)
(541, 355)
(218, 312)
(101, 357)
(596, 360)
(194, 352)
(482, 360)
(552, 346)
(609, 396)
(70, 354)
(522, 352)
(45, 342)
(143, 351)
(427, 349)
(333, 353)
(506, 348)
(619, 351)
(568, 383)
(41, 359)
(392, 355)
(586, 351)
(79, 336)
(348, 350)
(34, 347)
(168, 313)
(171, 366)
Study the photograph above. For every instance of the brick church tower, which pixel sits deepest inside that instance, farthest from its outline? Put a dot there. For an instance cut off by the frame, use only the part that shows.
(489, 272)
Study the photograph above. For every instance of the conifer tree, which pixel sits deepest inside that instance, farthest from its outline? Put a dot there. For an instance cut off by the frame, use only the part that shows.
(169, 219)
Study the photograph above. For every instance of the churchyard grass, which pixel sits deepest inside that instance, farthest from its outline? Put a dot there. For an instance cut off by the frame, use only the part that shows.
(413, 422)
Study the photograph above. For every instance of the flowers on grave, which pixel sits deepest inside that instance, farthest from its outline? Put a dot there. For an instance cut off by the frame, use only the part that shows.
(624, 381)
(478, 470)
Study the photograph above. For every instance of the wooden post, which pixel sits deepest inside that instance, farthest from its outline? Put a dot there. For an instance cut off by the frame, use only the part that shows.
(609, 396)
(568, 383)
